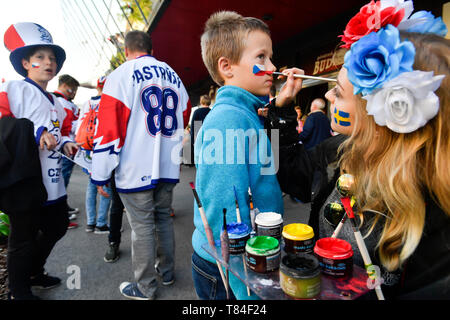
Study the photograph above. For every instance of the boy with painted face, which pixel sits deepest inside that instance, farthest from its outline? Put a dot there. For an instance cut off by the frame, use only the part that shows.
(35, 57)
(231, 46)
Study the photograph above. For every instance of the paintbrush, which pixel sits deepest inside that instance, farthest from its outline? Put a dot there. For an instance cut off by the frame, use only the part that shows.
(238, 214)
(345, 186)
(238, 218)
(208, 231)
(260, 70)
(225, 246)
(252, 210)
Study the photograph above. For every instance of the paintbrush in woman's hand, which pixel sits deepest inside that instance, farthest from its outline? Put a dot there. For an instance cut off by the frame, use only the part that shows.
(260, 70)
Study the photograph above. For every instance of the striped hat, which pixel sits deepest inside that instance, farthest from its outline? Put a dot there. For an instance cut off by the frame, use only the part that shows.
(21, 37)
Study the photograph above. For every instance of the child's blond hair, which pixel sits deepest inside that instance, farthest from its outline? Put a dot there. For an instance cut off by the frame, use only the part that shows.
(224, 36)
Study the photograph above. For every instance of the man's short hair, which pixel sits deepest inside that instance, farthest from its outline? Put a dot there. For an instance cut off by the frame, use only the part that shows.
(224, 36)
(205, 100)
(68, 80)
(138, 41)
(319, 103)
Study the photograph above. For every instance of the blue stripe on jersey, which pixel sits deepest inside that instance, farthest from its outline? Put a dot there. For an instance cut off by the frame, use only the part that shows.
(63, 198)
(99, 183)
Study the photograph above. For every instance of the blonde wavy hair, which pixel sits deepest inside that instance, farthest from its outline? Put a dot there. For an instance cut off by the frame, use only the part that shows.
(393, 172)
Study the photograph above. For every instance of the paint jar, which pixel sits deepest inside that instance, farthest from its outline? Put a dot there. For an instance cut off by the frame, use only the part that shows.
(298, 238)
(238, 234)
(269, 224)
(262, 254)
(335, 257)
(300, 276)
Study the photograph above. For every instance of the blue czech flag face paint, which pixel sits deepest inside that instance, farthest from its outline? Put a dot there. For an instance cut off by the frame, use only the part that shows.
(341, 118)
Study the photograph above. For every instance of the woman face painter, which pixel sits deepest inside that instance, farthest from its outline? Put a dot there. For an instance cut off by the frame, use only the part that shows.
(392, 103)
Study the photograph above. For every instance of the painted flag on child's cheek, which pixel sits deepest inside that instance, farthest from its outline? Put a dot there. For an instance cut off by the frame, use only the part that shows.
(35, 65)
(259, 70)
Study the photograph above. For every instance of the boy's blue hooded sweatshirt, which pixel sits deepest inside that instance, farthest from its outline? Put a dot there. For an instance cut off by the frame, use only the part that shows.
(232, 149)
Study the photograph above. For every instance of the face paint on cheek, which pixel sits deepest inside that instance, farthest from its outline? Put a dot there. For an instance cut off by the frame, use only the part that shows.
(341, 118)
(35, 65)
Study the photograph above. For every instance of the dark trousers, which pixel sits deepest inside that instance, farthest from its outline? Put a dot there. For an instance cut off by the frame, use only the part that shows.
(66, 171)
(115, 214)
(33, 235)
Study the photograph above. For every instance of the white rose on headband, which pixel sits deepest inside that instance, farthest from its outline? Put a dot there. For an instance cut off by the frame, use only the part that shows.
(406, 102)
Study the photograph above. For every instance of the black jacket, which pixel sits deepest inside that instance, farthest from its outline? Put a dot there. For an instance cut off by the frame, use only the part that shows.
(311, 175)
(21, 186)
(316, 129)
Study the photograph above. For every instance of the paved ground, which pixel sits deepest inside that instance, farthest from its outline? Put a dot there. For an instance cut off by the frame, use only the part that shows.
(83, 252)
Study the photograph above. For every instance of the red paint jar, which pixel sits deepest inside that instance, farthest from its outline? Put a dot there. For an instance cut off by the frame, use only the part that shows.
(335, 257)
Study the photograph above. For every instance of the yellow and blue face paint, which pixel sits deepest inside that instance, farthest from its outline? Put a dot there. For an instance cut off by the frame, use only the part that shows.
(341, 118)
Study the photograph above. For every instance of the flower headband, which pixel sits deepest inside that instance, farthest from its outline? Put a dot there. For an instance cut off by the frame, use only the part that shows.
(380, 65)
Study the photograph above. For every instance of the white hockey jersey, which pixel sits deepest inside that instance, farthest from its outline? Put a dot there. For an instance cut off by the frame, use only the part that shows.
(71, 120)
(140, 126)
(25, 99)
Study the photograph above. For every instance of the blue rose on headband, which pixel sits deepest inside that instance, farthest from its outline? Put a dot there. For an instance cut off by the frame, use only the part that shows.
(376, 58)
(425, 22)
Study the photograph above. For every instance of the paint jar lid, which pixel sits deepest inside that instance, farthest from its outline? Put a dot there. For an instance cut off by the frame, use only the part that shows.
(333, 248)
(237, 230)
(298, 232)
(262, 245)
(300, 265)
(269, 219)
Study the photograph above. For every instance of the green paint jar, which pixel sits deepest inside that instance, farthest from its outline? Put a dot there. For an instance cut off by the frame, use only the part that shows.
(262, 254)
(300, 276)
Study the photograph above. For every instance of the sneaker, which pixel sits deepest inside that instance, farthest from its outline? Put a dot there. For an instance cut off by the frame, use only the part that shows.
(44, 281)
(112, 254)
(72, 225)
(101, 230)
(168, 282)
(72, 216)
(73, 210)
(90, 228)
(165, 282)
(131, 291)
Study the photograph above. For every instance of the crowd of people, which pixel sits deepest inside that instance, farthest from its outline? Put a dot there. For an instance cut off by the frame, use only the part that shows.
(389, 129)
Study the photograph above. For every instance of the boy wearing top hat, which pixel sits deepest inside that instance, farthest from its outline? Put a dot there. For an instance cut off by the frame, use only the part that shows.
(35, 57)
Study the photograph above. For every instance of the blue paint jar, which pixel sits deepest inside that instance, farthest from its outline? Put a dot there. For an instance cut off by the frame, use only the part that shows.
(238, 234)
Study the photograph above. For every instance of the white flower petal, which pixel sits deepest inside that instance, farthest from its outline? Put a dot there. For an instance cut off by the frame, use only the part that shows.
(375, 107)
(429, 106)
(399, 4)
(407, 102)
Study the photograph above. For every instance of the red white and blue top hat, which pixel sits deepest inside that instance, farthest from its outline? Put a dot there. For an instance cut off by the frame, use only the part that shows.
(21, 37)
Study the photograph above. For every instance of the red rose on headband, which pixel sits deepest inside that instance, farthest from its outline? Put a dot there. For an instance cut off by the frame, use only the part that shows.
(370, 18)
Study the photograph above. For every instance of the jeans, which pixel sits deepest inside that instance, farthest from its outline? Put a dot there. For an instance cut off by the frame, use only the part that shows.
(152, 235)
(207, 280)
(115, 215)
(100, 219)
(33, 235)
(66, 170)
